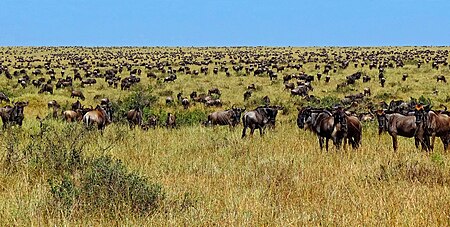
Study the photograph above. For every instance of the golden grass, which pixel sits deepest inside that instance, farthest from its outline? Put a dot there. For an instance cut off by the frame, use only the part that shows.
(212, 176)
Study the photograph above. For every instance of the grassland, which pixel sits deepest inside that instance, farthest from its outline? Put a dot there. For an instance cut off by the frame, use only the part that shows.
(212, 176)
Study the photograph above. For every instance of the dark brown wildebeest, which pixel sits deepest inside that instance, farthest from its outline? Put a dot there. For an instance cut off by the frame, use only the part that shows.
(170, 78)
(353, 133)
(169, 100)
(151, 123)
(404, 77)
(134, 117)
(171, 121)
(98, 117)
(321, 122)
(289, 86)
(3, 97)
(229, 117)
(266, 100)
(77, 94)
(88, 81)
(104, 101)
(259, 119)
(382, 81)
(435, 125)
(213, 102)
(251, 87)
(52, 104)
(367, 91)
(247, 95)
(214, 91)
(185, 102)
(46, 88)
(441, 78)
(400, 125)
(76, 105)
(327, 79)
(13, 115)
(366, 79)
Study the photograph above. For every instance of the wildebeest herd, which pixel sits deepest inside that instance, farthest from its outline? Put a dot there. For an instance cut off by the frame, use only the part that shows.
(301, 74)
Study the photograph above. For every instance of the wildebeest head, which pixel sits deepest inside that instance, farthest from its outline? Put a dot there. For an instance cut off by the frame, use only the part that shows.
(420, 114)
(340, 118)
(382, 121)
(303, 114)
(237, 112)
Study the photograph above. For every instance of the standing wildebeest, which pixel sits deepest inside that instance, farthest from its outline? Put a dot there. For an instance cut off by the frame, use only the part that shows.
(46, 88)
(441, 78)
(134, 117)
(400, 125)
(77, 94)
(247, 95)
(185, 102)
(258, 119)
(71, 115)
(353, 126)
(229, 117)
(13, 115)
(321, 122)
(435, 124)
(98, 116)
(171, 121)
(76, 105)
(214, 91)
(151, 123)
(3, 97)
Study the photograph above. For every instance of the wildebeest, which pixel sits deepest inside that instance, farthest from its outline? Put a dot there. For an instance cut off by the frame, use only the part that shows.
(185, 102)
(171, 121)
(3, 97)
(71, 115)
(258, 119)
(321, 122)
(435, 125)
(214, 91)
(170, 78)
(53, 103)
(134, 117)
(247, 95)
(98, 116)
(46, 88)
(13, 114)
(400, 125)
(229, 117)
(367, 91)
(77, 94)
(441, 78)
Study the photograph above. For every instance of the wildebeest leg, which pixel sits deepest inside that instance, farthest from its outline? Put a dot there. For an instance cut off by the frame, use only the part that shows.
(433, 138)
(444, 142)
(243, 131)
(252, 129)
(416, 142)
(261, 132)
(326, 143)
(394, 142)
(320, 142)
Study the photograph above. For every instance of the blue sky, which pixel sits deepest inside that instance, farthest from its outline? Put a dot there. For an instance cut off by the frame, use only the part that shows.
(224, 23)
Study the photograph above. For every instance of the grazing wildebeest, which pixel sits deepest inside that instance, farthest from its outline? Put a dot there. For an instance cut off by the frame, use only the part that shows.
(13, 115)
(214, 91)
(76, 105)
(258, 119)
(435, 125)
(46, 88)
(3, 97)
(134, 117)
(77, 94)
(266, 100)
(247, 95)
(72, 116)
(170, 78)
(400, 125)
(171, 121)
(229, 117)
(441, 78)
(97, 116)
(151, 123)
(169, 100)
(52, 104)
(367, 91)
(251, 87)
(404, 77)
